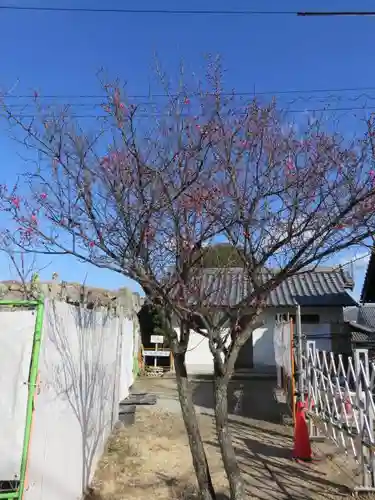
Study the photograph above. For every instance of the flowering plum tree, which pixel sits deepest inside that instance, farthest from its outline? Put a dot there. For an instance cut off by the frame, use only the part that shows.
(144, 198)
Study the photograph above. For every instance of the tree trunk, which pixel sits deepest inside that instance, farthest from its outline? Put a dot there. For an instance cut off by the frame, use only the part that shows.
(236, 483)
(200, 463)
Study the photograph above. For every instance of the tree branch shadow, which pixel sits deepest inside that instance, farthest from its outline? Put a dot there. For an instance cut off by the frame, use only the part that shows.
(183, 489)
(243, 398)
(269, 471)
(82, 376)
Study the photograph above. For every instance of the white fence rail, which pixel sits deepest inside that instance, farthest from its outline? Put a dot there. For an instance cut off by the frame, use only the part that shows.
(340, 404)
(338, 392)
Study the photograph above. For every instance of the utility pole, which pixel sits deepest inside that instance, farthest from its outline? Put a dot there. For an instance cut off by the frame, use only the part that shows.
(299, 355)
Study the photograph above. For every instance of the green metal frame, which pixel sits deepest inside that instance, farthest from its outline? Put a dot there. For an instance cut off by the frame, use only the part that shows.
(136, 370)
(33, 376)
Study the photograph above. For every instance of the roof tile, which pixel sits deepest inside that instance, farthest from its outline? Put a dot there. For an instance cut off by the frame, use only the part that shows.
(318, 287)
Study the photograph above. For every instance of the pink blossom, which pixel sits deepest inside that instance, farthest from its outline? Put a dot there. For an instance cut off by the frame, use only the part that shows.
(16, 201)
(289, 164)
(34, 219)
(121, 105)
(91, 244)
(116, 97)
(104, 160)
(187, 100)
(43, 196)
(290, 167)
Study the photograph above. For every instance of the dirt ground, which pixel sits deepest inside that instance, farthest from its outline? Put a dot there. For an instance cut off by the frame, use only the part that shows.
(151, 459)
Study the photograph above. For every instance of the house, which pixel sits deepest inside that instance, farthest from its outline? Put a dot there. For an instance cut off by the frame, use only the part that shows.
(360, 319)
(360, 327)
(321, 293)
(368, 289)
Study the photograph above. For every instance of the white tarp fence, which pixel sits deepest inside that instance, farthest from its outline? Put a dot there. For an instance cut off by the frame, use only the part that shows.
(16, 341)
(282, 346)
(85, 368)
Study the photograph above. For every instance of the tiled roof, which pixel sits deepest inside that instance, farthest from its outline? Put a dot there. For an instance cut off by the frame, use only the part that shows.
(366, 315)
(318, 287)
(361, 316)
(351, 314)
(360, 337)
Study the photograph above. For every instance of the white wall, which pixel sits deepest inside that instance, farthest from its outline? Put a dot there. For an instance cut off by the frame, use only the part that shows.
(85, 368)
(260, 345)
(126, 353)
(263, 349)
(198, 355)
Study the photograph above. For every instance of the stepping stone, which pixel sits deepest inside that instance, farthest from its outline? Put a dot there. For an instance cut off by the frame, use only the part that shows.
(139, 399)
(127, 414)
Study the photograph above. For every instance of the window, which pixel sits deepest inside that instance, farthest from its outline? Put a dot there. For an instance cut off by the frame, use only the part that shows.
(311, 319)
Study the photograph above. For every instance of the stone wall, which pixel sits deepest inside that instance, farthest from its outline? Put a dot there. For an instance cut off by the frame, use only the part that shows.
(72, 293)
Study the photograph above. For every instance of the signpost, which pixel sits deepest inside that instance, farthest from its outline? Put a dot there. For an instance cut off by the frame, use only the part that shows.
(159, 354)
(157, 339)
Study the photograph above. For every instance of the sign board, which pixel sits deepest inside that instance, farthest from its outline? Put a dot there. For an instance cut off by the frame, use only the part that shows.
(160, 354)
(157, 339)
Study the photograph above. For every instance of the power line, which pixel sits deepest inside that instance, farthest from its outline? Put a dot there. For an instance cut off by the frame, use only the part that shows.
(225, 94)
(336, 13)
(352, 261)
(104, 10)
(186, 115)
(323, 100)
(201, 12)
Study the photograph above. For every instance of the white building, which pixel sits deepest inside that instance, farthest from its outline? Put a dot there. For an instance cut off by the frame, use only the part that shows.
(322, 294)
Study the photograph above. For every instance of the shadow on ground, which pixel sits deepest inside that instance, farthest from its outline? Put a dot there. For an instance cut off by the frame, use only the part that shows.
(263, 446)
(246, 398)
(181, 490)
(270, 473)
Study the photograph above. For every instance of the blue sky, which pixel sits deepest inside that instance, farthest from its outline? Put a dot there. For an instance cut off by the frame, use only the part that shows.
(60, 53)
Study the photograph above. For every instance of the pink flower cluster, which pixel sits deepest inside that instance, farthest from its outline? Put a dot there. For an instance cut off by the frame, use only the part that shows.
(16, 201)
(290, 167)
